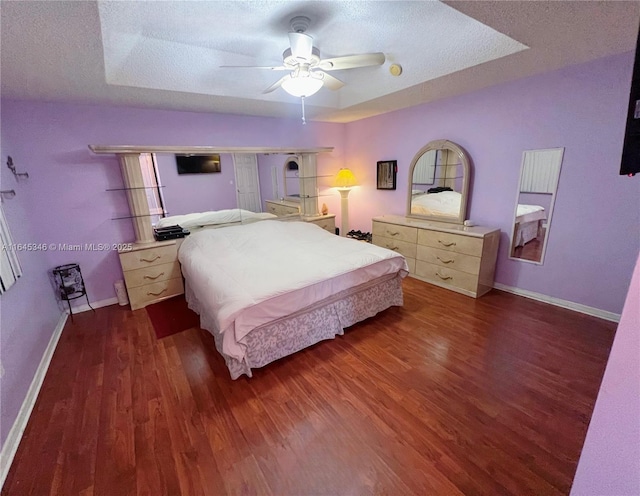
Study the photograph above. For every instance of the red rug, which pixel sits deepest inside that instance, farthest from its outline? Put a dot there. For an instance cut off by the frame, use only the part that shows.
(172, 316)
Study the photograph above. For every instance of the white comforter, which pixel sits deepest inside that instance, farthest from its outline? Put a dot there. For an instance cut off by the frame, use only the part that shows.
(528, 213)
(249, 275)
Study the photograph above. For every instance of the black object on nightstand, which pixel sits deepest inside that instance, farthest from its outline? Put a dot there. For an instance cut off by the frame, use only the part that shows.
(70, 284)
(169, 232)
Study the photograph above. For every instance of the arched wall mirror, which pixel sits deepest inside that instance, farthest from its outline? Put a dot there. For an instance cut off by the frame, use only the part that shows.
(539, 176)
(439, 183)
(290, 178)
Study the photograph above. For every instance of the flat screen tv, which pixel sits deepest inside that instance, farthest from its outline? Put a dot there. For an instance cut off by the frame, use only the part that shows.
(631, 150)
(198, 164)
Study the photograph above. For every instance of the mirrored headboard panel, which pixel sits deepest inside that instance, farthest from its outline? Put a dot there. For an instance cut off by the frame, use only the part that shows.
(439, 183)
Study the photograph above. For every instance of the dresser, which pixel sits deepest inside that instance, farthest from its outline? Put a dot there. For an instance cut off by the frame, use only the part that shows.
(281, 208)
(151, 272)
(451, 256)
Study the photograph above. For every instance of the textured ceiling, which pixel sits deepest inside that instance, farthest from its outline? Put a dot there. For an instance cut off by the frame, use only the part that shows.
(167, 54)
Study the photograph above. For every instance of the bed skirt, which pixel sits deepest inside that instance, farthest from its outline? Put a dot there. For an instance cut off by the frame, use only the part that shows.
(306, 327)
(526, 232)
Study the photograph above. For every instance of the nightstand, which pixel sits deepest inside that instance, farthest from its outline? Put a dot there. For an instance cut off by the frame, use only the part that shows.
(326, 222)
(151, 272)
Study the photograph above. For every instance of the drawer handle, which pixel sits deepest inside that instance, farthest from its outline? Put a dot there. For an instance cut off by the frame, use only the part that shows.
(446, 244)
(444, 278)
(153, 277)
(150, 293)
(445, 261)
(394, 248)
(149, 261)
(393, 233)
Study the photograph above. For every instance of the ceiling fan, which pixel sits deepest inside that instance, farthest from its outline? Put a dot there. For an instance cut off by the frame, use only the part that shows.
(307, 71)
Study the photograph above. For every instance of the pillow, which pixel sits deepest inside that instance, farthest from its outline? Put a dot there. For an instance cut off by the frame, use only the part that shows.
(416, 192)
(189, 221)
(262, 215)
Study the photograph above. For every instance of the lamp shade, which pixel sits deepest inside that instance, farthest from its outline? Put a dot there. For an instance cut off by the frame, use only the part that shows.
(302, 85)
(345, 179)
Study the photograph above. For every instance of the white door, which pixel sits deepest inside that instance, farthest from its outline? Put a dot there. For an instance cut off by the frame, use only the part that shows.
(247, 183)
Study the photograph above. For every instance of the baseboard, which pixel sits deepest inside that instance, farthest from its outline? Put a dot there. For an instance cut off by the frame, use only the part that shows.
(17, 430)
(94, 304)
(595, 312)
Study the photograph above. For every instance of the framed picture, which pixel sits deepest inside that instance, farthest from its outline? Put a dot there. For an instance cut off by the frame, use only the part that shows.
(386, 177)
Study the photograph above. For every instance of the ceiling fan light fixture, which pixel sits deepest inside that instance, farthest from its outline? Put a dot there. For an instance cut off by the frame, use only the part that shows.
(302, 86)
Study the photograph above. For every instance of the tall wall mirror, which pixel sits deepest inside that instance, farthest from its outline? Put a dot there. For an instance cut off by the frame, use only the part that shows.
(290, 179)
(439, 183)
(539, 176)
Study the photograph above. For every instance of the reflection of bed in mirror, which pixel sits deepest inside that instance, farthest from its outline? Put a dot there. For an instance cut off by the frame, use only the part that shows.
(267, 289)
(528, 225)
(537, 187)
(439, 182)
(442, 204)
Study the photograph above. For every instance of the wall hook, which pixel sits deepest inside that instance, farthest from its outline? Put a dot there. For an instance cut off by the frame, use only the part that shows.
(12, 168)
(7, 193)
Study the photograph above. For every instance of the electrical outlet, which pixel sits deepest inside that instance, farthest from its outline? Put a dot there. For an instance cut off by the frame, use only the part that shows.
(1, 370)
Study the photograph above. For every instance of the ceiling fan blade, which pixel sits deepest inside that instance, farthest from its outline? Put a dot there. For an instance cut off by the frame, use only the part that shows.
(276, 85)
(333, 83)
(271, 68)
(301, 45)
(352, 61)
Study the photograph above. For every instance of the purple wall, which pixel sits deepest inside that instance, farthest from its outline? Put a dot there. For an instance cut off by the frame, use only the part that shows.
(594, 240)
(610, 460)
(28, 310)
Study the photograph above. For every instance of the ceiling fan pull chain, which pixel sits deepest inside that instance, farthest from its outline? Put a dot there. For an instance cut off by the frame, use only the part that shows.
(304, 121)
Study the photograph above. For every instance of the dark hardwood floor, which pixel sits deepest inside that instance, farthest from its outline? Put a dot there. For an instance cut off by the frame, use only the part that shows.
(447, 395)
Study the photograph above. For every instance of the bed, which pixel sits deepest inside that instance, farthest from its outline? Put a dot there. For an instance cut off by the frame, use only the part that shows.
(268, 288)
(445, 203)
(528, 225)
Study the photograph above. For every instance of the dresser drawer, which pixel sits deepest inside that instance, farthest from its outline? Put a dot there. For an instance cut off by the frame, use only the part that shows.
(326, 224)
(154, 273)
(451, 242)
(272, 209)
(393, 231)
(444, 276)
(147, 257)
(450, 259)
(287, 210)
(150, 293)
(281, 209)
(403, 247)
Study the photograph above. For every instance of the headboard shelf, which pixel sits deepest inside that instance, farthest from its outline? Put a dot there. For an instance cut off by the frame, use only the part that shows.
(202, 150)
